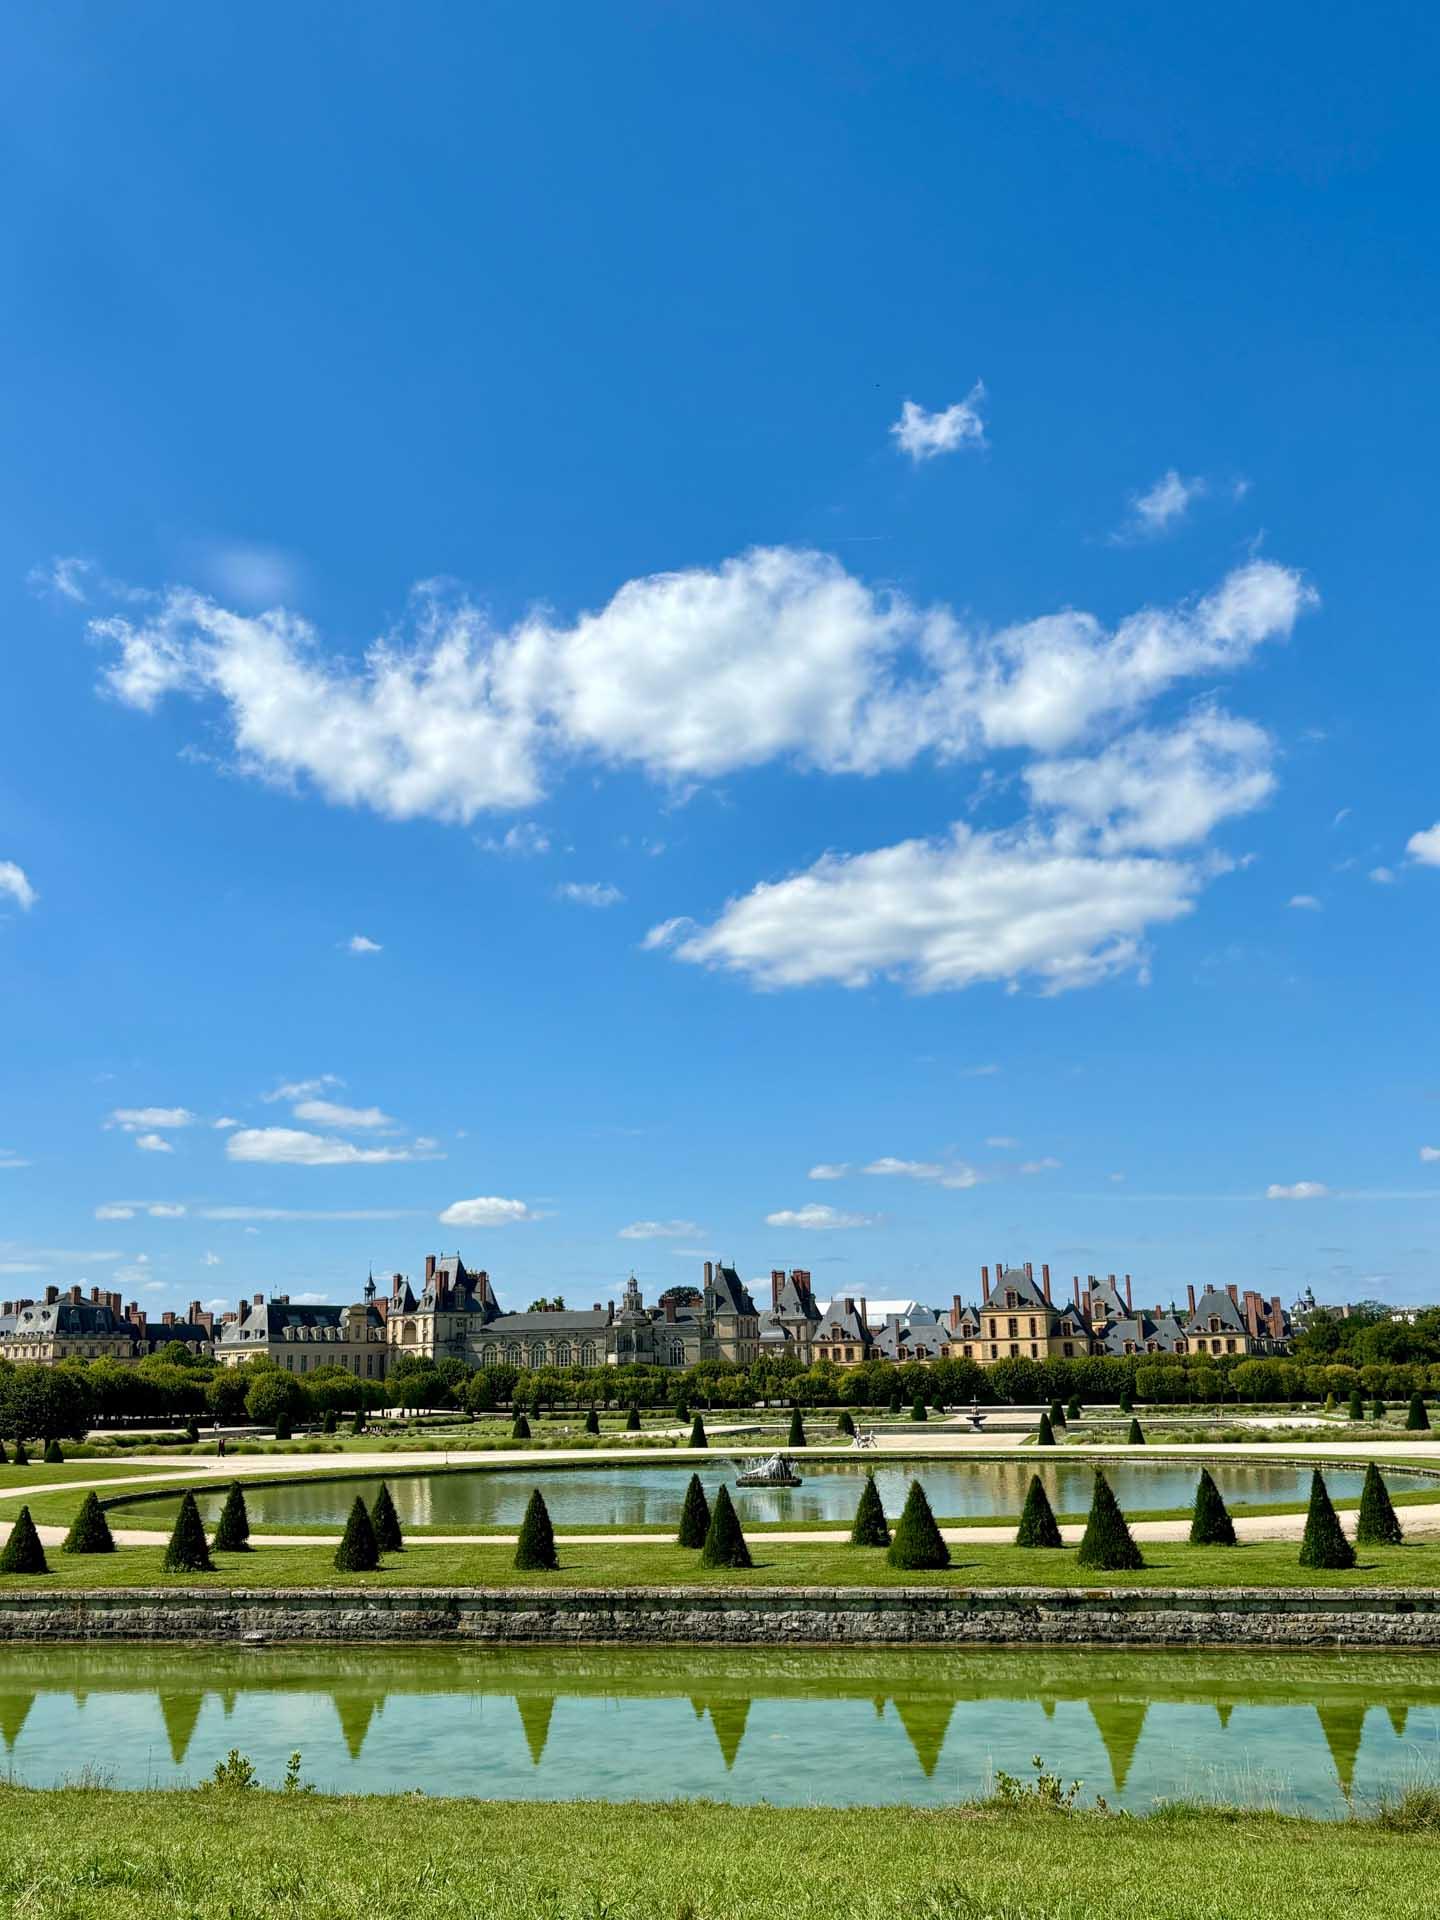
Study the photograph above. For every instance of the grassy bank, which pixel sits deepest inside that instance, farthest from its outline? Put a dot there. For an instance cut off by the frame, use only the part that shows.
(249, 1855)
(617, 1566)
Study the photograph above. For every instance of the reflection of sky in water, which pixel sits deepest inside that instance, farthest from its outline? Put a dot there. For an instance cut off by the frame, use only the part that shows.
(621, 1496)
(914, 1729)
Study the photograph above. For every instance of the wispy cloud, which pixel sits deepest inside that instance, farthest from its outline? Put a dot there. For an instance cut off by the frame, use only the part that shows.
(818, 1219)
(831, 1170)
(11, 1162)
(589, 893)
(925, 436)
(1160, 507)
(327, 1113)
(359, 943)
(154, 1143)
(302, 1089)
(148, 1119)
(487, 1211)
(660, 1230)
(14, 885)
(932, 1172)
(1301, 1190)
(1305, 901)
(526, 840)
(290, 1147)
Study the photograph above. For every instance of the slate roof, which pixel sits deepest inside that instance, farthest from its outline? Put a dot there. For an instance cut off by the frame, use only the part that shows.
(1015, 1280)
(841, 1323)
(72, 1319)
(1215, 1304)
(732, 1294)
(588, 1321)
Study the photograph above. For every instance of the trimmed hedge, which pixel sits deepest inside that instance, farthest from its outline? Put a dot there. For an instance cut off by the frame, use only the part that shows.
(871, 1528)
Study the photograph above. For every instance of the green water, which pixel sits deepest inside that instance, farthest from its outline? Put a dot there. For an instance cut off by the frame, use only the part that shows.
(634, 1496)
(908, 1728)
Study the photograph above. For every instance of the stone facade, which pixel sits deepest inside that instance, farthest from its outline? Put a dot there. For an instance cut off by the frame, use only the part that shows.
(67, 1326)
(302, 1338)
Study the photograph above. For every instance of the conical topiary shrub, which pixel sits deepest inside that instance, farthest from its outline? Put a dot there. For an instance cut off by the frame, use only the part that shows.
(283, 1428)
(697, 1432)
(1377, 1409)
(1057, 1414)
(845, 1424)
(797, 1429)
(1108, 1543)
(871, 1528)
(592, 1421)
(1330, 1403)
(1356, 1408)
(919, 1411)
(330, 1422)
(694, 1515)
(1045, 1435)
(1072, 1411)
(918, 1543)
(55, 1453)
(1136, 1435)
(386, 1522)
(1127, 1405)
(358, 1551)
(233, 1533)
(521, 1428)
(4, 1456)
(1210, 1524)
(632, 1420)
(895, 1402)
(1376, 1524)
(1324, 1544)
(23, 1552)
(357, 1425)
(20, 1456)
(1038, 1525)
(535, 1548)
(89, 1530)
(1417, 1420)
(187, 1551)
(725, 1542)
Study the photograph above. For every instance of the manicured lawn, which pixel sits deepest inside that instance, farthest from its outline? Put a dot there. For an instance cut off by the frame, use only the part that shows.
(251, 1855)
(822, 1565)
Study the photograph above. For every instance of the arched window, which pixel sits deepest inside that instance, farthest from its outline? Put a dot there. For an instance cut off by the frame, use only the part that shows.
(487, 1356)
(407, 1333)
(562, 1354)
(537, 1353)
(587, 1355)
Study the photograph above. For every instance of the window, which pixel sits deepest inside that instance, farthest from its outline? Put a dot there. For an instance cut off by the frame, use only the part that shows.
(1012, 1327)
(1068, 1349)
(1014, 1352)
(587, 1355)
(562, 1354)
(1229, 1346)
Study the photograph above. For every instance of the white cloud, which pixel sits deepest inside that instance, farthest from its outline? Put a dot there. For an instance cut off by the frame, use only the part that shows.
(1430, 1153)
(64, 578)
(153, 1143)
(943, 914)
(358, 943)
(934, 1172)
(1424, 847)
(660, 1230)
(257, 576)
(486, 1212)
(1001, 1141)
(924, 436)
(1117, 1178)
(1306, 901)
(1302, 1190)
(211, 1259)
(589, 893)
(1162, 506)
(818, 1219)
(114, 1211)
(236, 1215)
(326, 1113)
(525, 841)
(1383, 876)
(302, 1089)
(10, 1161)
(287, 1146)
(777, 653)
(13, 882)
(982, 1072)
(136, 1119)
(1047, 1165)
(223, 1122)
(166, 1210)
(830, 1170)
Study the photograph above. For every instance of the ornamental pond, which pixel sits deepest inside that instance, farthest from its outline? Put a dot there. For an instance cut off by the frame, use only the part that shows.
(617, 1495)
(1318, 1732)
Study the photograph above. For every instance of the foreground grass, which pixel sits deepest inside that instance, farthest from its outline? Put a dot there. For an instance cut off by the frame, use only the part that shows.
(619, 1567)
(212, 1855)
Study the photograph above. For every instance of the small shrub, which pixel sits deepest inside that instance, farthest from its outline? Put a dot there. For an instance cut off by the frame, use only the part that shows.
(871, 1528)
(1057, 1414)
(682, 1410)
(1072, 1411)
(725, 1541)
(283, 1428)
(1127, 1405)
(1377, 1409)
(386, 1522)
(1108, 1543)
(918, 1543)
(192, 1434)
(632, 1420)
(1417, 1420)
(845, 1424)
(535, 1548)
(54, 1454)
(1210, 1524)
(698, 1437)
(1038, 1525)
(1324, 1544)
(329, 1424)
(521, 1428)
(233, 1774)
(694, 1515)
(797, 1429)
(23, 1552)
(1376, 1524)
(592, 1421)
(187, 1551)
(919, 1411)
(357, 1425)
(895, 1401)
(359, 1550)
(1045, 1437)
(89, 1530)
(21, 1456)
(233, 1533)
(1356, 1408)
(1136, 1435)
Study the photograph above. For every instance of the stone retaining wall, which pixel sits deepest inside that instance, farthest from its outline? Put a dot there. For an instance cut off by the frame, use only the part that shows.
(1378, 1617)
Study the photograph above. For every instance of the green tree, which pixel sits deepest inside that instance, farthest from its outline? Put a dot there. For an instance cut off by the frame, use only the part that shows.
(1417, 1420)
(20, 1457)
(1324, 1543)
(918, 1543)
(1072, 1412)
(845, 1424)
(54, 1454)
(698, 1437)
(358, 1551)
(330, 1423)
(797, 1429)
(725, 1542)
(1210, 1524)
(44, 1403)
(871, 1529)
(521, 1429)
(1038, 1525)
(694, 1515)
(918, 1410)
(233, 1533)
(89, 1530)
(1356, 1409)
(1377, 1524)
(274, 1396)
(535, 1548)
(1136, 1435)
(1107, 1543)
(357, 1425)
(1127, 1405)
(187, 1551)
(386, 1522)
(1377, 1409)
(23, 1552)
(1045, 1437)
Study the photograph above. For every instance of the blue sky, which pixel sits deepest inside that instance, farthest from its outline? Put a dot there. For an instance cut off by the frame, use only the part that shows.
(803, 636)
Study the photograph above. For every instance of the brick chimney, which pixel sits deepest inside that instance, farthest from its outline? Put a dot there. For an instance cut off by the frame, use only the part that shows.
(137, 1314)
(864, 1313)
(167, 1319)
(595, 1306)
(1075, 1282)
(956, 1309)
(94, 1296)
(259, 1300)
(397, 1285)
(1029, 1271)
(1045, 1282)
(1190, 1296)
(1277, 1319)
(777, 1280)
(984, 1284)
(709, 1273)
(670, 1311)
(76, 1295)
(1234, 1292)
(1087, 1306)
(429, 1268)
(1252, 1313)
(1129, 1303)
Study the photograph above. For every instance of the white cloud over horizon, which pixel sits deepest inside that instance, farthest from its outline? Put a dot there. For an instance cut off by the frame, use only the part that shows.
(487, 1211)
(327, 1113)
(289, 1146)
(818, 1219)
(148, 1119)
(925, 435)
